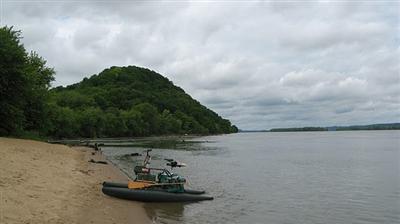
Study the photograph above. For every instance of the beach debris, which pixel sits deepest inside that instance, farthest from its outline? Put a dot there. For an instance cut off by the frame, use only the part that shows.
(86, 172)
(135, 154)
(99, 161)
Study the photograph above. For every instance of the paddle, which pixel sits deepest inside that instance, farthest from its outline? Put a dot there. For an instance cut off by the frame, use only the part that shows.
(145, 184)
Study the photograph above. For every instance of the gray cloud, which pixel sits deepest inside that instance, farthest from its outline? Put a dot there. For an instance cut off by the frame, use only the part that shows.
(259, 64)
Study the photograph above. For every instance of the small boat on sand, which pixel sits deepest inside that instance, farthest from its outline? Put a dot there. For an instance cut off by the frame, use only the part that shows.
(164, 186)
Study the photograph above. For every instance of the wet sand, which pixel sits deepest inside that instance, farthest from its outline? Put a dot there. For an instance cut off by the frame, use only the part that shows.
(49, 183)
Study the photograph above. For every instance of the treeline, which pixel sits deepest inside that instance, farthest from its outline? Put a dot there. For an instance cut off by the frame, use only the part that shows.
(389, 126)
(118, 102)
(298, 129)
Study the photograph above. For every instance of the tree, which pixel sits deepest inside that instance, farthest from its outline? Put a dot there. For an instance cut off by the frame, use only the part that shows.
(114, 123)
(91, 122)
(150, 116)
(12, 81)
(169, 124)
(24, 83)
(134, 123)
(63, 122)
(38, 82)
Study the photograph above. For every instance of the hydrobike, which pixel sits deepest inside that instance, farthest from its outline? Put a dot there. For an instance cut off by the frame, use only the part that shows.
(155, 185)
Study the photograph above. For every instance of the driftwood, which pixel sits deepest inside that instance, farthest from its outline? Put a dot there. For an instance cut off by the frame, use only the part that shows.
(94, 161)
(135, 154)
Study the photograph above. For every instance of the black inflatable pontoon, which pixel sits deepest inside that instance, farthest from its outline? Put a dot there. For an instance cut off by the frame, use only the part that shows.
(152, 195)
(125, 185)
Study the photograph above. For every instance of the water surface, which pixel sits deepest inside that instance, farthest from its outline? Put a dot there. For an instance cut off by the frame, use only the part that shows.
(292, 177)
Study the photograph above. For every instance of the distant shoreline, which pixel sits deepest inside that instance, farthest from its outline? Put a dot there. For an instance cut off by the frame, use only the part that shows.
(370, 127)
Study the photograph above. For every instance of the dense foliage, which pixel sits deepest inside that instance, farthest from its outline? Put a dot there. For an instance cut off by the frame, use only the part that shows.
(118, 102)
(24, 85)
(130, 101)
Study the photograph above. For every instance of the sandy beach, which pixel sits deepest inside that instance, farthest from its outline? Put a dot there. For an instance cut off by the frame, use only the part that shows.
(49, 183)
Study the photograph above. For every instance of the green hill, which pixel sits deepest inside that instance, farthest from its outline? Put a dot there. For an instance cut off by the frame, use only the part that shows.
(130, 101)
(118, 102)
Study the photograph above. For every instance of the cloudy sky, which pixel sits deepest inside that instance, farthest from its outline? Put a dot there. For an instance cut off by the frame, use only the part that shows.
(260, 64)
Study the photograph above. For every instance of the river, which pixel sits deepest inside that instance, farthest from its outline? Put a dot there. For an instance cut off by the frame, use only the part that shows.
(288, 177)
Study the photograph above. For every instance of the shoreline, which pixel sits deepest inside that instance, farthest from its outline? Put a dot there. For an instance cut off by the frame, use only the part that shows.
(80, 141)
(52, 183)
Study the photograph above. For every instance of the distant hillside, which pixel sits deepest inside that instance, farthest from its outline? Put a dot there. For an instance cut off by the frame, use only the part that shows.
(298, 129)
(389, 126)
(130, 101)
(251, 131)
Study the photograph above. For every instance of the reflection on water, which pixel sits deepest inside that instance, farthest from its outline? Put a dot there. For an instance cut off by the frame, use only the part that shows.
(313, 177)
(165, 212)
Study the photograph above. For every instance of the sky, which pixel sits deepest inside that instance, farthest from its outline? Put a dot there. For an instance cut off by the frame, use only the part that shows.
(259, 64)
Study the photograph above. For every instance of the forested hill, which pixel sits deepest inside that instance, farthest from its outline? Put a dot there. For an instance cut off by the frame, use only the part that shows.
(130, 101)
(118, 102)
